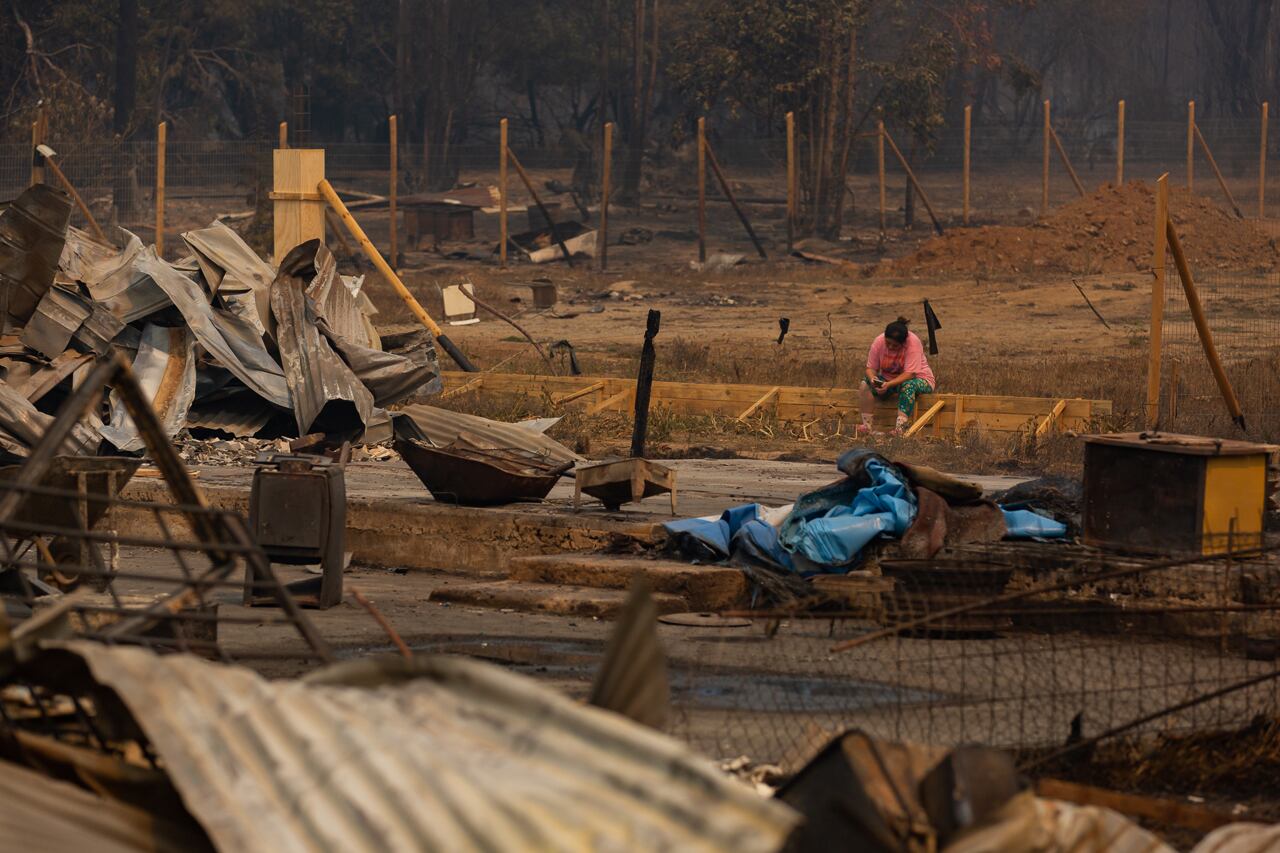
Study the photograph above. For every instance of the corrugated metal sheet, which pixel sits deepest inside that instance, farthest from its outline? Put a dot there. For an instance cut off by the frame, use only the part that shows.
(42, 814)
(327, 396)
(32, 234)
(441, 426)
(235, 271)
(165, 368)
(434, 754)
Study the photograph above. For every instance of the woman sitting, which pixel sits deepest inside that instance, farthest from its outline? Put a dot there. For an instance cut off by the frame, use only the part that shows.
(895, 366)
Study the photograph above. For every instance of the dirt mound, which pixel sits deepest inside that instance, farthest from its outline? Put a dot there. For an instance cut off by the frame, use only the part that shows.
(1108, 231)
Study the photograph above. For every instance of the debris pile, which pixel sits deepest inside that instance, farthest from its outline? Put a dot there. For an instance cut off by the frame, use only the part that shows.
(220, 342)
(1107, 232)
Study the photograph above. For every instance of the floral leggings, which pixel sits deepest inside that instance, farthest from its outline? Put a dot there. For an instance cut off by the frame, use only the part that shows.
(906, 392)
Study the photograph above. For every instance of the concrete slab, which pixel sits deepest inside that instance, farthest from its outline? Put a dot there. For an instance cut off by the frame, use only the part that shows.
(393, 521)
(703, 587)
(561, 600)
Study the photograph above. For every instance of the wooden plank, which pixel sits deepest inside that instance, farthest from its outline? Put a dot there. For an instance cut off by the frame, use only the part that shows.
(1066, 162)
(162, 136)
(925, 418)
(581, 392)
(502, 192)
(1044, 163)
(1051, 419)
(1217, 173)
(968, 126)
(1191, 146)
(617, 399)
(702, 190)
(393, 132)
(473, 385)
(959, 416)
(754, 407)
(296, 170)
(606, 177)
(1120, 144)
(791, 176)
(1262, 163)
(1159, 809)
(880, 171)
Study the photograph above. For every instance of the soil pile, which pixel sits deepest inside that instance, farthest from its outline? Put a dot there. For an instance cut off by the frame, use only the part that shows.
(1106, 232)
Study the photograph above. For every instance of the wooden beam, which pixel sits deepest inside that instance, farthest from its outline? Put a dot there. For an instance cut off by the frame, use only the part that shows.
(791, 179)
(473, 385)
(502, 193)
(1262, 163)
(162, 138)
(958, 422)
(1159, 809)
(880, 171)
(924, 419)
(393, 132)
(911, 176)
(1217, 173)
(1202, 327)
(968, 126)
(1051, 419)
(297, 207)
(724, 185)
(606, 172)
(702, 190)
(1155, 339)
(581, 392)
(1044, 162)
(52, 165)
(1066, 161)
(617, 399)
(755, 407)
(1120, 143)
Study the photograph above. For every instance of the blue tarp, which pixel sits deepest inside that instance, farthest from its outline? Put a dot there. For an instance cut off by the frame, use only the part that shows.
(827, 529)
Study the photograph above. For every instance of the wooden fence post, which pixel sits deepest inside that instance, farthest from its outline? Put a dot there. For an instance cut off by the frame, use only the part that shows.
(502, 192)
(284, 135)
(393, 128)
(968, 126)
(880, 170)
(791, 181)
(606, 175)
(162, 138)
(702, 190)
(1156, 340)
(1262, 163)
(1044, 164)
(1191, 146)
(39, 132)
(1120, 144)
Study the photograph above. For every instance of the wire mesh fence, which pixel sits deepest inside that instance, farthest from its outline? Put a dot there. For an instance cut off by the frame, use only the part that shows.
(1031, 647)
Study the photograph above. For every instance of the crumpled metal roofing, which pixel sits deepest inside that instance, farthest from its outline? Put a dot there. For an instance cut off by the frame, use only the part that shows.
(165, 368)
(234, 270)
(39, 813)
(436, 753)
(440, 427)
(31, 240)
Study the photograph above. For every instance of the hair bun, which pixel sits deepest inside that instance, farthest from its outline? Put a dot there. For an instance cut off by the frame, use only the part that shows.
(904, 321)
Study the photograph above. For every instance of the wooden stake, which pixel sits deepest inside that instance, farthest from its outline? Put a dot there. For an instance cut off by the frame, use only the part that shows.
(724, 185)
(1217, 173)
(1202, 326)
(393, 127)
(911, 176)
(380, 263)
(1066, 161)
(1262, 163)
(606, 171)
(546, 214)
(1191, 146)
(1044, 164)
(880, 170)
(502, 192)
(52, 165)
(791, 181)
(1156, 339)
(1120, 143)
(702, 190)
(284, 134)
(968, 125)
(162, 136)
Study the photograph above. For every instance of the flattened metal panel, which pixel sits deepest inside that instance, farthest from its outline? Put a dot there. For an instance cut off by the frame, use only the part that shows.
(441, 426)
(57, 317)
(32, 232)
(437, 753)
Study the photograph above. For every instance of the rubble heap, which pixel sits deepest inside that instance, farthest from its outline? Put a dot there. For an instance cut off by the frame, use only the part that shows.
(1108, 231)
(219, 341)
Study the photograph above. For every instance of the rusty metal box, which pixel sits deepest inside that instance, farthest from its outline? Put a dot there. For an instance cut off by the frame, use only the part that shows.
(298, 514)
(1163, 493)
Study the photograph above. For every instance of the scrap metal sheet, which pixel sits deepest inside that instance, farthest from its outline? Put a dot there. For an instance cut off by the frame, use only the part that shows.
(440, 427)
(234, 271)
(25, 425)
(112, 277)
(436, 753)
(57, 317)
(165, 368)
(327, 397)
(391, 377)
(32, 233)
(228, 339)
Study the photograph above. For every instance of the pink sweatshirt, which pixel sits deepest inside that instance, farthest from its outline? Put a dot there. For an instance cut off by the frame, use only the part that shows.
(909, 359)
